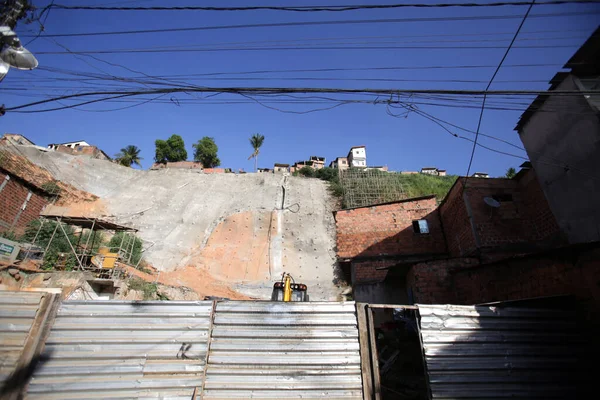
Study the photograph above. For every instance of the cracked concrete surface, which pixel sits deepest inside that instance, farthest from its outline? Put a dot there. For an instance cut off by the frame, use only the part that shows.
(232, 225)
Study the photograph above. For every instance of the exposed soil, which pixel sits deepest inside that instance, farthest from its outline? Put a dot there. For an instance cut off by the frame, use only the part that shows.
(194, 278)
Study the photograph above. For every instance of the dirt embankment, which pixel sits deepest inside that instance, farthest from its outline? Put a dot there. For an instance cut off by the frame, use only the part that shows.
(197, 279)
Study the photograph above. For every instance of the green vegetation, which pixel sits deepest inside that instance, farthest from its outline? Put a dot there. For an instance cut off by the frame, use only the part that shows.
(205, 151)
(326, 174)
(10, 235)
(417, 185)
(126, 238)
(148, 288)
(170, 150)
(256, 141)
(51, 187)
(59, 251)
(414, 185)
(510, 173)
(128, 156)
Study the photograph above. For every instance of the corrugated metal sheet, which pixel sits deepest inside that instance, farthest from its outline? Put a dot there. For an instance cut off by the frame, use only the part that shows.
(17, 313)
(491, 352)
(266, 350)
(118, 350)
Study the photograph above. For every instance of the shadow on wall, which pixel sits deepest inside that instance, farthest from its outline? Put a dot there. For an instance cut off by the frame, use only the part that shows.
(379, 270)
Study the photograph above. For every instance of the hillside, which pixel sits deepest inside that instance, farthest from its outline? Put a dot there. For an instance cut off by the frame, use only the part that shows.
(422, 185)
(241, 230)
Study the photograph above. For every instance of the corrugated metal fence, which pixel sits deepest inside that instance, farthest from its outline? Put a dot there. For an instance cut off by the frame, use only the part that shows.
(266, 350)
(117, 349)
(18, 311)
(491, 352)
(150, 350)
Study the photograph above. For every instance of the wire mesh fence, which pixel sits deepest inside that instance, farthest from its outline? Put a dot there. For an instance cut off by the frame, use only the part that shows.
(365, 187)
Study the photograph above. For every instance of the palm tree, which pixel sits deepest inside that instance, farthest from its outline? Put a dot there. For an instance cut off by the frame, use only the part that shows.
(129, 155)
(256, 141)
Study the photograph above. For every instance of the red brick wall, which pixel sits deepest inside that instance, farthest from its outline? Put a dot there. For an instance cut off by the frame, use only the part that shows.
(387, 230)
(526, 219)
(367, 271)
(569, 273)
(214, 170)
(455, 220)
(12, 198)
(432, 282)
(542, 223)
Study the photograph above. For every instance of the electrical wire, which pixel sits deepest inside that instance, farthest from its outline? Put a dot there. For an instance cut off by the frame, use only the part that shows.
(317, 8)
(297, 48)
(488, 87)
(320, 23)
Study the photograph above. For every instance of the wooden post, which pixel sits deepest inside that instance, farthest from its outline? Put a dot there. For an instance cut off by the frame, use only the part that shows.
(374, 355)
(365, 360)
(33, 346)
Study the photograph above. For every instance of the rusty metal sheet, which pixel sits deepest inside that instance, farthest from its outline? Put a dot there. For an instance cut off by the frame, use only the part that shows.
(271, 350)
(116, 349)
(490, 352)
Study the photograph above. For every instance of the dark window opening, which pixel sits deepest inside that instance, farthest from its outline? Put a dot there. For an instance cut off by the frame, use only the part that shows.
(420, 226)
(503, 198)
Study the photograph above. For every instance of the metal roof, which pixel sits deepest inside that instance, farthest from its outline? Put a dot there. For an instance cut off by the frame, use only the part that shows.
(492, 352)
(89, 223)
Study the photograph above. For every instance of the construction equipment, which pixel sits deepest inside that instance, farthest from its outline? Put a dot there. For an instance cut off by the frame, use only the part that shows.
(288, 290)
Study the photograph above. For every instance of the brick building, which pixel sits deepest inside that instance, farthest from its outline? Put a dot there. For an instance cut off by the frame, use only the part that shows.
(21, 201)
(372, 239)
(389, 258)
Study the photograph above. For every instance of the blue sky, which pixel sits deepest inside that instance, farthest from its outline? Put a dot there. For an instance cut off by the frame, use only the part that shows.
(401, 143)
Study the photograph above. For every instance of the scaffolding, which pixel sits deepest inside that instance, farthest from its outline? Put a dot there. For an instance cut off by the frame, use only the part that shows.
(364, 187)
(102, 262)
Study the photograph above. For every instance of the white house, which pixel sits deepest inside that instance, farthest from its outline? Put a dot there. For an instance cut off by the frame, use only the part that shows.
(72, 145)
(357, 157)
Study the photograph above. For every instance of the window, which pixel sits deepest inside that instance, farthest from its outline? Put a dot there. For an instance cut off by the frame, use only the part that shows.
(421, 226)
(503, 198)
(355, 151)
(344, 162)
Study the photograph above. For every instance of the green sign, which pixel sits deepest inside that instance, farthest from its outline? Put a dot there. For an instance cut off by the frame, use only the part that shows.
(6, 250)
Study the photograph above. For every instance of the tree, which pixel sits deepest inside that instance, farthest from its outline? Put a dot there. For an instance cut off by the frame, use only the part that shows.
(256, 141)
(26, 11)
(170, 150)
(128, 156)
(510, 173)
(205, 151)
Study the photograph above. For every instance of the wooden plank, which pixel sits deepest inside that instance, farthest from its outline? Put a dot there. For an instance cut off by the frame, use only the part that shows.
(374, 355)
(365, 361)
(33, 346)
(213, 312)
(393, 306)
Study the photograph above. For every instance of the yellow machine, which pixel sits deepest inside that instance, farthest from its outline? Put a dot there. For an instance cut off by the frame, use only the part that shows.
(288, 290)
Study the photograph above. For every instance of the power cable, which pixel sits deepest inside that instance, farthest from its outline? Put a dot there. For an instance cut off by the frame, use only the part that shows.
(296, 48)
(488, 87)
(273, 90)
(315, 8)
(320, 23)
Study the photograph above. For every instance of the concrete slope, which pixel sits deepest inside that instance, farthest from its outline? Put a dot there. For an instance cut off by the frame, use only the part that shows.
(243, 229)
